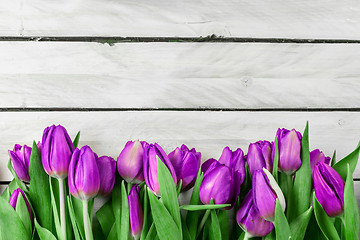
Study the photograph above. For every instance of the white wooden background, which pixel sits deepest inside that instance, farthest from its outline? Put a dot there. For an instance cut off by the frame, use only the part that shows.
(121, 70)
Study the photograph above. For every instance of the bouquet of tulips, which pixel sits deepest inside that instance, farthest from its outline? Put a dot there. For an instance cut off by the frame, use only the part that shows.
(278, 190)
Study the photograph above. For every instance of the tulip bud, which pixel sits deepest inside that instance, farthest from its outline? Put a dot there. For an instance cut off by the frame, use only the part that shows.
(84, 178)
(107, 168)
(289, 143)
(56, 151)
(20, 159)
(186, 164)
(318, 156)
(259, 156)
(265, 193)
(250, 220)
(329, 189)
(135, 212)
(18, 193)
(151, 152)
(130, 162)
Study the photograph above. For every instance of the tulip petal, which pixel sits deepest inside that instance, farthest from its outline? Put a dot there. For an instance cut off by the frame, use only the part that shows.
(135, 212)
(130, 162)
(106, 166)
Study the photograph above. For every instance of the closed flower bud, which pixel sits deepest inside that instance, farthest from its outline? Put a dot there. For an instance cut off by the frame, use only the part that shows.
(186, 164)
(250, 220)
(329, 189)
(107, 168)
(135, 212)
(20, 159)
(318, 156)
(259, 156)
(56, 151)
(130, 162)
(14, 198)
(235, 161)
(265, 192)
(151, 152)
(84, 178)
(289, 143)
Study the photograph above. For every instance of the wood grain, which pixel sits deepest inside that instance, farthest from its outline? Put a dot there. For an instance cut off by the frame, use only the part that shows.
(329, 19)
(208, 132)
(179, 75)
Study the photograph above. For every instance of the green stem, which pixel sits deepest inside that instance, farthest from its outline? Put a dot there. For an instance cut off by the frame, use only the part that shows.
(246, 237)
(289, 183)
(88, 233)
(62, 208)
(203, 221)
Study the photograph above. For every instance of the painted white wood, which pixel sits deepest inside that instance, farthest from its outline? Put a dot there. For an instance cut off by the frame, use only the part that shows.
(208, 132)
(179, 75)
(231, 18)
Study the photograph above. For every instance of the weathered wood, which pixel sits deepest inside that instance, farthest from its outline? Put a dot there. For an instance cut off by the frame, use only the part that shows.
(208, 132)
(179, 75)
(256, 18)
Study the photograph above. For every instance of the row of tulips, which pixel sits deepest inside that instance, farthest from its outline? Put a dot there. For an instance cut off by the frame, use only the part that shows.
(279, 190)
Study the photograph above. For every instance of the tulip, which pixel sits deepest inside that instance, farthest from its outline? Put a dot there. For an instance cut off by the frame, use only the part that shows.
(18, 193)
(259, 156)
(56, 151)
(107, 167)
(186, 164)
(84, 177)
(289, 143)
(135, 212)
(318, 156)
(329, 189)
(20, 159)
(151, 153)
(235, 161)
(250, 220)
(130, 162)
(265, 193)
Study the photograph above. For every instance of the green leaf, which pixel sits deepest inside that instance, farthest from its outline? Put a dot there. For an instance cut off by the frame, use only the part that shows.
(116, 204)
(165, 226)
(351, 159)
(77, 206)
(215, 231)
(43, 233)
(20, 183)
(301, 192)
(73, 218)
(333, 159)
(203, 207)
(324, 221)
(185, 230)
(146, 222)
(106, 217)
(281, 224)
(98, 233)
(39, 190)
(11, 226)
(152, 234)
(76, 140)
(23, 212)
(351, 209)
(112, 234)
(9, 189)
(276, 160)
(168, 192)
(178, 188)
(224, 224)
(299, 225)
(55, 212)
(124, 212)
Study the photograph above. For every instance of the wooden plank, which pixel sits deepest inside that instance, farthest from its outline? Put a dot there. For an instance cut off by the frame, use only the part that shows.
(179, 75)
(329, 19)
(209, 132)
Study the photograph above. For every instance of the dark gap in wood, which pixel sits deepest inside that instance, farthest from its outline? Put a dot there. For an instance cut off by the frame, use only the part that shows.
(210, 38)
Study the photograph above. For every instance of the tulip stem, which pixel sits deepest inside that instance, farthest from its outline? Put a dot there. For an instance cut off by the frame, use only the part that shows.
(203, 221)
(88, 233)
(62, 207)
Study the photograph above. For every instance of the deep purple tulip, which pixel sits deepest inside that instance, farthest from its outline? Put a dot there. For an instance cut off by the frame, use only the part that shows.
(56, 151)
(135, 212)
(289, 143)
(186, 164)
(151, 152)
(259, 156)
(107, 168)
(84, 177)
(20, 159)
(318, 156)
(265, 193)
(329, 189)
(130, 162)
(250, 220)
(235, 161)
(14, 199)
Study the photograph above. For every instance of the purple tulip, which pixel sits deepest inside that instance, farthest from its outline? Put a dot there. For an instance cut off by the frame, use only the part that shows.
(20, 159)
(318, 156)
(14, 199)
(107, 168)
(250, 220)
(329, 189)
(130, 162)
(186, 164)
(84, 177)
(235, 161)
(259, 156)
(151, 152)
(289, 143)
(265, 193)
(135, 212)
(56, 151)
